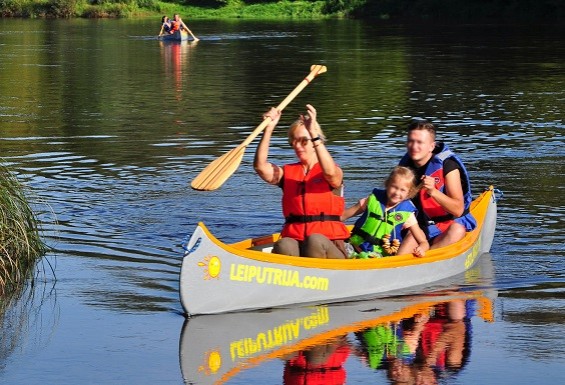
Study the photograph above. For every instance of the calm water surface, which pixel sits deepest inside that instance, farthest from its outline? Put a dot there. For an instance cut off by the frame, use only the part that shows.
(108, 126)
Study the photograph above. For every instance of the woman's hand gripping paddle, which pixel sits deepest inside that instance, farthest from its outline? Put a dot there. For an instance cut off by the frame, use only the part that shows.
(217, 172)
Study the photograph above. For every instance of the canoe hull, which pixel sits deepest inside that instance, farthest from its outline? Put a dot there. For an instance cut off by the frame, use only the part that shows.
(218, 278)
(177, 36)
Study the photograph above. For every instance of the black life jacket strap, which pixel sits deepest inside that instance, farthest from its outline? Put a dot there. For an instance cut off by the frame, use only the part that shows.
(311, 218)
(445, 218)
(366, 236)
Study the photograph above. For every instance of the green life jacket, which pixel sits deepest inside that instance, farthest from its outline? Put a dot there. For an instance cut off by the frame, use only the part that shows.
(381, 342)
(375, 222)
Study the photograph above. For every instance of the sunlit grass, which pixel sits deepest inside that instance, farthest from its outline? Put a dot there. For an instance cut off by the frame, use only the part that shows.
(20, 243)
(228, 9)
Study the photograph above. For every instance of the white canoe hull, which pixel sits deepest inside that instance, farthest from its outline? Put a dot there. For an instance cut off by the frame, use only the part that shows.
(217, 278)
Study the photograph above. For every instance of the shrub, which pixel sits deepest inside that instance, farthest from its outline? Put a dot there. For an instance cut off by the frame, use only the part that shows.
(20, 243)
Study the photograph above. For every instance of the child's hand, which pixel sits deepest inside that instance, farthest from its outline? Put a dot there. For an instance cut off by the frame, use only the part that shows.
(418, 252)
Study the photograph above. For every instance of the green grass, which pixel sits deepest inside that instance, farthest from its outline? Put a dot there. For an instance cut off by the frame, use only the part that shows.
(230, 9)
(20, 243)
(408, 10)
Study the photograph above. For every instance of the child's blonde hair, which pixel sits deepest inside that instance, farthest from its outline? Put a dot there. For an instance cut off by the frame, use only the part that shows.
(406, 174)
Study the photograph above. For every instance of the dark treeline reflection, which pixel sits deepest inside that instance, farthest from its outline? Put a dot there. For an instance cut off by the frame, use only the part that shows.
(469, 10)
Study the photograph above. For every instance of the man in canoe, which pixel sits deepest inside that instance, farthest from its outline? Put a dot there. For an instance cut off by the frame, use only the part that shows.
(312, 198)
(445, 195)
(177, 24)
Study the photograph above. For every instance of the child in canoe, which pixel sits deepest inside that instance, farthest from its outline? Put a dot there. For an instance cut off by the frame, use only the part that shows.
(386, 214)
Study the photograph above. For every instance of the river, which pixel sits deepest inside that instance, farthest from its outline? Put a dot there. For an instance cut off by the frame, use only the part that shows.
(107, 127)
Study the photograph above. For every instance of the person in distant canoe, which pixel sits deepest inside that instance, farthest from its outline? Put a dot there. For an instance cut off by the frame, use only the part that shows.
(312, 190)
(387, 214)
(444, 200)
(166, 27)
(177, 24)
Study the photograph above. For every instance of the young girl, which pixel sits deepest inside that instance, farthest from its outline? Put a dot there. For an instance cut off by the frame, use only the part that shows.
(386, 214)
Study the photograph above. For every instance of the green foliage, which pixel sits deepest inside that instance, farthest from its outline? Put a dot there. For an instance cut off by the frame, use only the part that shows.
(444, 10)
(20, 243)
(342, 7)
(62, 8)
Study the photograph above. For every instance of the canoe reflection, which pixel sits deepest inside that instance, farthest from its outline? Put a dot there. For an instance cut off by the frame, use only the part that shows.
(409, 337)
(433, 342)
(176, 56)
(413, 339)
(320, 364)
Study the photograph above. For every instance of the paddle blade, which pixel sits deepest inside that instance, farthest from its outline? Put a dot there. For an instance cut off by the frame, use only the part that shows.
(318, 68)
(217, 172)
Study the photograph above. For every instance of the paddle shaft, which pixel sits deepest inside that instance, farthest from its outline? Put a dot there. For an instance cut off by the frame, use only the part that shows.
(315, 70)
(217, 172)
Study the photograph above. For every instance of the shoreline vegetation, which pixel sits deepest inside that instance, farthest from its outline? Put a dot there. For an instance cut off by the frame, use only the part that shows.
(393, 10)
(20, 244)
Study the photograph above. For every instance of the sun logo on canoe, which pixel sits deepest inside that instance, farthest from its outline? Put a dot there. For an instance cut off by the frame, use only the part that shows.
(212, 267)
(212, 362)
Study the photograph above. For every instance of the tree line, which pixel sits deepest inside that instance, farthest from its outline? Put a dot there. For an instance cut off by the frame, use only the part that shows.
(401, 10)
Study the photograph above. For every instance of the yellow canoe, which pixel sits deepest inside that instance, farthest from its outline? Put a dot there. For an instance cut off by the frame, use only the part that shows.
(217, 277)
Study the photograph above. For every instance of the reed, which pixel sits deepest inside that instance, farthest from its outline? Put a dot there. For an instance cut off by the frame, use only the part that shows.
(20, 243)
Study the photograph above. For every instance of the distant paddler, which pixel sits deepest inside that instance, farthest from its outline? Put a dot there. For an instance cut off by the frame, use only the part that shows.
(165, 26)
(178, 24)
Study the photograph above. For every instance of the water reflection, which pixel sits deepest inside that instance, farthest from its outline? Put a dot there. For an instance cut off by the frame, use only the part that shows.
(320, 364)
(175, 57)
(433, 343)
(410, 338)
(22, 318)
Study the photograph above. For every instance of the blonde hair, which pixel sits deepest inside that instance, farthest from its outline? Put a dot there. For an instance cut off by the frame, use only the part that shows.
(406, 174)
(300, 122)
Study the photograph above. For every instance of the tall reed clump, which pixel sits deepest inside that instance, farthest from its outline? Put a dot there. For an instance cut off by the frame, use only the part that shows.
(20, 243)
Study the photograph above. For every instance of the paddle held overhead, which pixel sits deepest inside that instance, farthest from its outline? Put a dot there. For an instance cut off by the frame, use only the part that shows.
(217, 172)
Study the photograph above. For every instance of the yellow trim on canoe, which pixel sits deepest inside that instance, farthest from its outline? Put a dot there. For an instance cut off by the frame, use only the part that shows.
(478, 208)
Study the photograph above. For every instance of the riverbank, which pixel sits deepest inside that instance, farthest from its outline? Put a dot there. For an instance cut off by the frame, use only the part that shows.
(151, 8)
(545, 11)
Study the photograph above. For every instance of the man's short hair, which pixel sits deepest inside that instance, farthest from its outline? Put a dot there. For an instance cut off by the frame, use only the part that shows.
(422, 124)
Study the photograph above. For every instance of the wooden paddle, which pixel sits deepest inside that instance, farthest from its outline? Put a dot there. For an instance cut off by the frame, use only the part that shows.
(217, 172)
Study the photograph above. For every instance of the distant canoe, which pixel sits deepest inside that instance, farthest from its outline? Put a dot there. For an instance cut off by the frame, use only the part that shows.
(180, 35)
(217, 278)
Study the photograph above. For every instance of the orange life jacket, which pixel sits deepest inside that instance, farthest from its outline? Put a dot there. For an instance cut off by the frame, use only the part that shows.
(299, 371)
(175, 26)
(311, 205)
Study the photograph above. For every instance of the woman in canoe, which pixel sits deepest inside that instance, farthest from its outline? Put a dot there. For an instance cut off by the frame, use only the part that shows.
(312, 190)
(387, 214)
